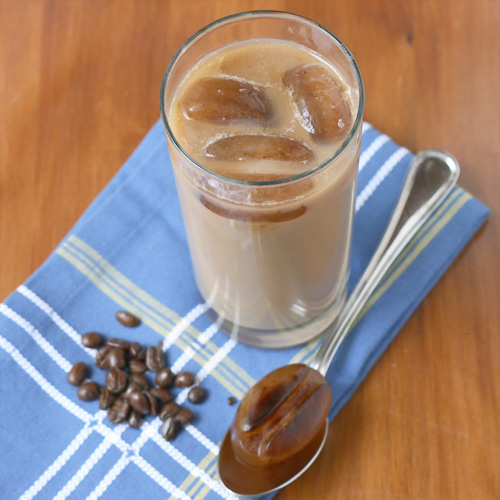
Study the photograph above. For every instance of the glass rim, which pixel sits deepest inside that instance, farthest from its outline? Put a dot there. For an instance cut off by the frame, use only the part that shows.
(256, 14)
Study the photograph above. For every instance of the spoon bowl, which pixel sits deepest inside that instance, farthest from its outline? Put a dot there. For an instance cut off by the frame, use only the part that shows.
(430, 178)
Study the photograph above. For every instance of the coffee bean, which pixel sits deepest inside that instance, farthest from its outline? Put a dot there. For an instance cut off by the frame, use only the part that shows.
(137, 366)
(92, 340)
(170, 428)
(127, 319)
(197, 395)
(141, 379)
(119, 411)
(116, 380)
(106, 399)
(169, 410)
(154, 404)
(139, 402)
(155, 359)
(184, 416)
(116, 342)
(137, 350)
(134, 419)
(184, 379)
(162, 395)
(88, 391)
(117, 358)
(131, 387)
(164, 378)
(77, 373)
(101, 358)
(231, 400)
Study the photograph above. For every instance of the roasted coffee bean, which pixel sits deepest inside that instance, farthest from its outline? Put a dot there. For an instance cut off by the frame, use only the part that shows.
(134, 419)
(127, 319)
(170, 428)
(169, 410)
(77, 373)
(184, 416)
(164, 378)
(141, 379)
(116, 380)
(162, 395)
(106, 399)
(92, 340)
(197, 395)
(119, 411)
(131, 387)
(137, 366)
(184, 379)
(117, 358)
(139, 402)
(116, 342)
(101, 358)
(154, 404)
(155, 359)
(137, 350)
(231, 400)
(88, 391)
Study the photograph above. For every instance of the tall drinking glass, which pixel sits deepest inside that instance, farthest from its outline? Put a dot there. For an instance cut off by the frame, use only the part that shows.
(263, 112)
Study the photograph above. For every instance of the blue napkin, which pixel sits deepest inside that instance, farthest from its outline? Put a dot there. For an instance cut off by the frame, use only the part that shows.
(129, 252)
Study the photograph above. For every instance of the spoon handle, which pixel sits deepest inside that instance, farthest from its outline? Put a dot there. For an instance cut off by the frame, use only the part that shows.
(430, 178)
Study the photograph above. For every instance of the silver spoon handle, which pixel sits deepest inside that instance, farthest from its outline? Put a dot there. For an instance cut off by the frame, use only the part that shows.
(430, 178)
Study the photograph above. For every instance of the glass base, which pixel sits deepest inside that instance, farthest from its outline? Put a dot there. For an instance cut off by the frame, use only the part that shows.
(279, 339)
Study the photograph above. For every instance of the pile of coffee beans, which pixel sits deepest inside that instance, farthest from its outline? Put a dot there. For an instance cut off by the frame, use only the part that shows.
(128, 396)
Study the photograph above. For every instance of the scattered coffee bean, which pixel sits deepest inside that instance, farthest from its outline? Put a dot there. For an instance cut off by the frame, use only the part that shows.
(117, 358)
(139, 402)
(164, 378)
(88, 391)
(169, 410)
(231, 400)
(155, 360)
(137, 366)
(141, 379)
(184, 379)
(77, 373)
(162, 395)
(134, 419)
(106, 399)
(170, 428)
(115, 342)
(137, 350)
(184, 416)
(119, 411)
(131, 387)
(127, 319)
(92, 340)
(101, 358)
(197, 395)
(116, 380)
(154, 405)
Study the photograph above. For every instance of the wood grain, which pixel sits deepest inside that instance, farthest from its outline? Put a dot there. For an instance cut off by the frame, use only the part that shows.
(79, 84)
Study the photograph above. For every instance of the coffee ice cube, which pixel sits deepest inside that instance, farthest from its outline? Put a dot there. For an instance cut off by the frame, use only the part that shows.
(258, 147)
(226, 100)
(322, 107)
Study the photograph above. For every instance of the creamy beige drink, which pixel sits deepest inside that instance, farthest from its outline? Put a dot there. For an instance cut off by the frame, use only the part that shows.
(268, 215)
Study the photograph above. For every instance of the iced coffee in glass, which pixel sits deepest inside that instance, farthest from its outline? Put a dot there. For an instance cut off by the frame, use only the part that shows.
(263, 113)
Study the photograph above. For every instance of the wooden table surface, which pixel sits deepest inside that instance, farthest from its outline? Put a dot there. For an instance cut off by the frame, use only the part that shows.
(79, 83)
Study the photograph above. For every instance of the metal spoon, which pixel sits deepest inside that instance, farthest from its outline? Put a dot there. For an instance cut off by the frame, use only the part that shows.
(430, 178)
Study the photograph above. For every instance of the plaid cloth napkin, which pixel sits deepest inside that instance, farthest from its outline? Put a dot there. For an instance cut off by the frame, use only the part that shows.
(129, 252)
